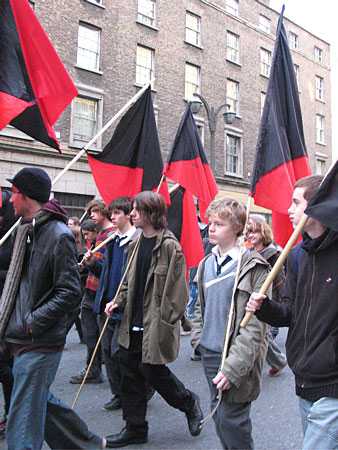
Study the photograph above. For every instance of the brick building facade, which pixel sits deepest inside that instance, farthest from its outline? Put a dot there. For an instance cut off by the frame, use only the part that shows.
(219, 48)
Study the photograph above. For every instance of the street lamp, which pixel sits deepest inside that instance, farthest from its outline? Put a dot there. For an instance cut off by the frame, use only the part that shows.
(212, 113)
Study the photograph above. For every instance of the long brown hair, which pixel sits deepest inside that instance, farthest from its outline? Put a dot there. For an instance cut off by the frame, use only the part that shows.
(153, 207)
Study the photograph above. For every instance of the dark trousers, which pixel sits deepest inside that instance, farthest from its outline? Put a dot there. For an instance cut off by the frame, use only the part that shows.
(110, 350)
(134, 378)
(232, 420)
(91, 333)
(6, 378)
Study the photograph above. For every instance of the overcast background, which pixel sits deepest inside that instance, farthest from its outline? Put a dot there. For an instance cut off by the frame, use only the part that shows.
(319, 17)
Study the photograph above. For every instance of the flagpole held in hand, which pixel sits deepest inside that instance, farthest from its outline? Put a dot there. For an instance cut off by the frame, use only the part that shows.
(278, 265)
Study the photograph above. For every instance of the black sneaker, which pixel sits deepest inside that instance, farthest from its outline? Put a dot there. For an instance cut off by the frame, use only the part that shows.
(113, 404)
(194, 416)
(126, 437)
(91, 379)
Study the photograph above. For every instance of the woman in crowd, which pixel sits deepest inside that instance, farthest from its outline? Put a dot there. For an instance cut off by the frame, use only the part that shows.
(259, 235)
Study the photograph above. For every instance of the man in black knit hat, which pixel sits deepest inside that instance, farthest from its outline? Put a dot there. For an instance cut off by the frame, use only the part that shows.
(42, 289)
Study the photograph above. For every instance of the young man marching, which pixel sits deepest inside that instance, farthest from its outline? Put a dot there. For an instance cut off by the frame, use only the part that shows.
(111, 273)
(154, 298)
(240, 374)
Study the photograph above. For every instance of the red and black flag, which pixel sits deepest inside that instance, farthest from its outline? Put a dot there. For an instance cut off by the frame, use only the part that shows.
(34, 85)
(183, 222)
(281, 156)
(131, 162)
(187, 164)
(324, 204)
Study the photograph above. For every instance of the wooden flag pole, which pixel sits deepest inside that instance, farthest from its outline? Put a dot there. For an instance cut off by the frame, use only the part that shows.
(114, 300)
(278, 265)
(85, 148)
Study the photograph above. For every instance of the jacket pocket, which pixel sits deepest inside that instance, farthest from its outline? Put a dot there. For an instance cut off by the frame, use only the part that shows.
(160, 275)
(168, 335)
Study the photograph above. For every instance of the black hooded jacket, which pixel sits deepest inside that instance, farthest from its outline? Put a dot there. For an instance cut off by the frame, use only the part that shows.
(8, 219)
(49, 289)
(311, 313)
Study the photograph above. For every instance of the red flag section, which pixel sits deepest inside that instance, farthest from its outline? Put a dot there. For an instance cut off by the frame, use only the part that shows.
(34, 85)
(131, 162)
(188, 165)
(281, 157)
(182, 221)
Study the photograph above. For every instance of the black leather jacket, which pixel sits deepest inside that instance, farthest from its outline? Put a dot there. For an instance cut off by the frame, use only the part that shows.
(49, 289)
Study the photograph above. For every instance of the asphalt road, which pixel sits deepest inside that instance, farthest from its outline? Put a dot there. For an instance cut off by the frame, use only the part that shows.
(275, 416)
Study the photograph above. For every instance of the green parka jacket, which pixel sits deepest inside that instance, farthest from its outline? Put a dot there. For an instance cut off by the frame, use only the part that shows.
(165, 299)
(247, 347)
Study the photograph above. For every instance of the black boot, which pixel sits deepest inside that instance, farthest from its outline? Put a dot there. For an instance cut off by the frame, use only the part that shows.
(127, 436)
(194, 415)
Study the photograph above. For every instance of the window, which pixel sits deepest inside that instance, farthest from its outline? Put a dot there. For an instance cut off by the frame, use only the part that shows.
(88, 47)
(144, 65)
(319, 88)
(320, 166)
(232, 96)
(318, 54)
(232, 155)
(192, 80)
(232, 7)
(263, 97)
(146, 12)
(232, 47)
(84, 120)
(293, 40)
(320, 137)
(296, 67)
(265, 62)
(74, 204)
(192, 28)
(264, 24)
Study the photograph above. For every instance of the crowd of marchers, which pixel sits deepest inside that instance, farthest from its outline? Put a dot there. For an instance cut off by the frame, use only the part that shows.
(135, 290)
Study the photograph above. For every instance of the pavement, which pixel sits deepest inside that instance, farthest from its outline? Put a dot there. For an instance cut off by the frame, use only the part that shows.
(276, 422)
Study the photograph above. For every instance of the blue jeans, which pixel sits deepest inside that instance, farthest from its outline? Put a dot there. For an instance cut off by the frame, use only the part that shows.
(192, 299)
(36, 415)
(320, 423)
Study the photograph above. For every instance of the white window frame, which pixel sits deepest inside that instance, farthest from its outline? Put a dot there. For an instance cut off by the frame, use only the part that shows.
(320, 129)
(264, 24)
(318, 54)
(195, 83)
(94, 95)
(232, 7)
(81, 60)
(193, 36)
(293, 40)
(145, 17)
(144, 73)
(233, 47)
(296, 68)
(239, 137)
(233, 101)
(265, 62)
(319, 88)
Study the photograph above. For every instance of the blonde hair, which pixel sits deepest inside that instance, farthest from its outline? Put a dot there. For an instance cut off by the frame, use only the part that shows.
(258, 223)
(229, 209)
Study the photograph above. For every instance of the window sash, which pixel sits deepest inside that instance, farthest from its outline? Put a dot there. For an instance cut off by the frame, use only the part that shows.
(232, 97)
(232, 7)
(293, 40)
(193, 28)
(146, 12)
(84, 119)
(319, 88)
(265, 24)
(232, 155)
(232, 47)
(144, 65)
(265, 62)
(320, 136)
(263, 98)
(318, 54)
(88, 51)
(192, 80)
